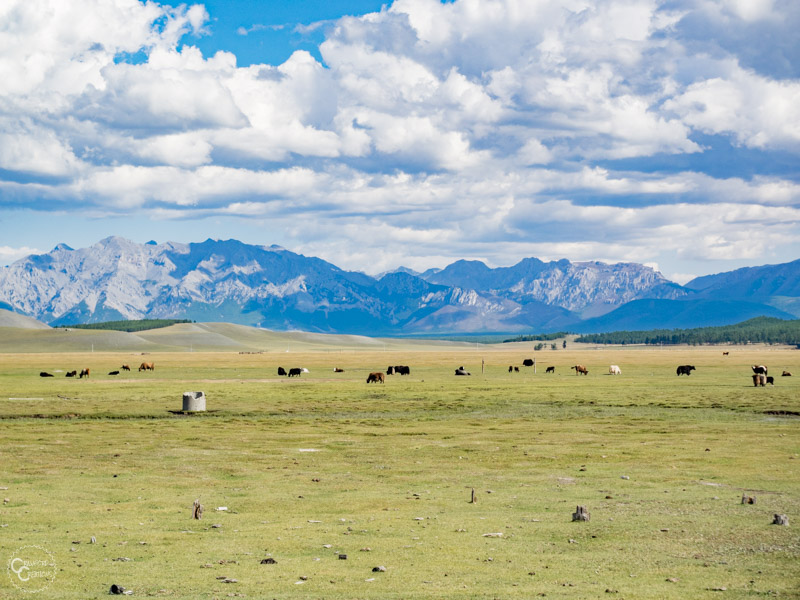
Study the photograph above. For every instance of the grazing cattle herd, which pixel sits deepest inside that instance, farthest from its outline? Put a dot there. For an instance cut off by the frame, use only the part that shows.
(760, 372)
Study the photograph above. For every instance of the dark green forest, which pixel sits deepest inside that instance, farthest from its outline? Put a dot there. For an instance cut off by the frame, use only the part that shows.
(761, 330)
(129, 326)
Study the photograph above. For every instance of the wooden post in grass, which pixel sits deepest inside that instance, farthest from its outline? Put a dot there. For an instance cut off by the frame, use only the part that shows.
(197, 510)
(473, 498)
(581, 514)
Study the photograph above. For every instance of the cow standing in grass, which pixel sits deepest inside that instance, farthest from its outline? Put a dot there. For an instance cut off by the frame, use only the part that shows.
(376, 377)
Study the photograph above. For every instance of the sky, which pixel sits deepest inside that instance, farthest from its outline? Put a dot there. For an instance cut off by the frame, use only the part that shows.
(409, 133)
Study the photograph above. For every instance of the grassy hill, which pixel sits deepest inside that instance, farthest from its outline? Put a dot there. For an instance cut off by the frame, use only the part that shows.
(197, 337)
(12, 319)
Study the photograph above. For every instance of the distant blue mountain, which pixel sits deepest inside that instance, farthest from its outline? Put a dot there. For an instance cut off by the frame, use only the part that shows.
(677, 314)
(269, 286)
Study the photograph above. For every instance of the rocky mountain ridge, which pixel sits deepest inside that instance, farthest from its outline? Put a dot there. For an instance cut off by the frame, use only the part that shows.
(271, 287)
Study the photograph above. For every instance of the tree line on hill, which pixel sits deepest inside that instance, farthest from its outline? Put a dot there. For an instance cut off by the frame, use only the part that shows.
(129, 326)
(760, 330)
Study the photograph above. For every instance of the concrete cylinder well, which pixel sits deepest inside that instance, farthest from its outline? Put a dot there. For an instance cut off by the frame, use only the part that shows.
(194, 401)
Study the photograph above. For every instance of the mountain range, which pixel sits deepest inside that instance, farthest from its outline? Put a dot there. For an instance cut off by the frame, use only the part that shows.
(274, 288)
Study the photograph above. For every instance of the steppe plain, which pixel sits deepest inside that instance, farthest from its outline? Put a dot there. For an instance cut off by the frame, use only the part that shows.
(324, 465)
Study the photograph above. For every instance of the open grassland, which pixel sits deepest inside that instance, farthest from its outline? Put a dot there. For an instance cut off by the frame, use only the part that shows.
(322, 465)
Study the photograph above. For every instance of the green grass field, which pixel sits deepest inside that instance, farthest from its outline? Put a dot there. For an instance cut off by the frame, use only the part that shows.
(324, 465)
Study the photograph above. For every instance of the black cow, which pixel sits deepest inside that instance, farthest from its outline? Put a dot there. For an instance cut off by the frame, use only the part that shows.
(295, 372)
(759, 369)
(462, 371)
(113, 372)
(510, 368)
(528, 362)
(771, 380)
(685, 370)
(516, 369)
(45, 374)
(550, 370)
(390, 370)
(71, 374)
(281, 371)
(402, 370)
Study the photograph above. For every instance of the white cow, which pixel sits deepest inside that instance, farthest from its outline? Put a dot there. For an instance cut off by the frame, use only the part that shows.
(614, 370)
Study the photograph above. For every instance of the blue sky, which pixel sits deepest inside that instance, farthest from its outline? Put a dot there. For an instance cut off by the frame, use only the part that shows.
(414, 132)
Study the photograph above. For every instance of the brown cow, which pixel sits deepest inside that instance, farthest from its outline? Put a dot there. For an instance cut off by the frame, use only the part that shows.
(786, 374)
(84, 373)
(126, 367)
(759, 379)
(145, 366)
(580, 370)
(375, 377)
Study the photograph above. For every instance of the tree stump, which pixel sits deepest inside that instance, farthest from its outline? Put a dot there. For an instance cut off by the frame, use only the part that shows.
(473, 498)
(194, 401)
(780, 520)
(581, 514)
(197, 510)
(748, 499)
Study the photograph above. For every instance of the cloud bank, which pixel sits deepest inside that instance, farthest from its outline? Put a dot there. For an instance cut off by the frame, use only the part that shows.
(490, 129)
